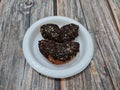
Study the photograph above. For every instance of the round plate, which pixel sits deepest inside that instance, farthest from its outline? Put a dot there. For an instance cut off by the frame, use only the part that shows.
(42, 65)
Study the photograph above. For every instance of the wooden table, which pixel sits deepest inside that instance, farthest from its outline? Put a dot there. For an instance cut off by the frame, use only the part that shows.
(100, 17)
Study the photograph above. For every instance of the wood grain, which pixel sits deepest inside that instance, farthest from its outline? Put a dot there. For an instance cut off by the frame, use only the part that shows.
(13, 61)
(115, 8)
(100, 17)
(107, 32)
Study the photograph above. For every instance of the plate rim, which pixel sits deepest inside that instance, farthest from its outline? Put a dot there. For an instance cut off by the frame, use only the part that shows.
(49, 72)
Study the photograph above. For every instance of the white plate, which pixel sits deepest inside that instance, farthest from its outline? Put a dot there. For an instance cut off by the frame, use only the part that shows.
(42, 65)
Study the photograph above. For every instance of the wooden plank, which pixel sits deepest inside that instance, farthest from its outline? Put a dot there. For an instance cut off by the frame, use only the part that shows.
(107, 39)
(44, 9)
(70, 8)
(115, 8)
(12, 58)
(13, 61)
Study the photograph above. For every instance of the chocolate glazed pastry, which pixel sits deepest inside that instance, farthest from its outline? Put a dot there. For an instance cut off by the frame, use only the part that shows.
(66, 33)
(50, 31)
(58, 53)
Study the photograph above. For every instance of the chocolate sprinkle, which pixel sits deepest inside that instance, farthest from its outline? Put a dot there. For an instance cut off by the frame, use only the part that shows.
(66, 33)
(59, 51)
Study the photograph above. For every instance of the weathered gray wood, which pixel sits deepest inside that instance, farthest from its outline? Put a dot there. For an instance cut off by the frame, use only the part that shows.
(12, 59)
(107, 39)
(115, 9)
(70, 8)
